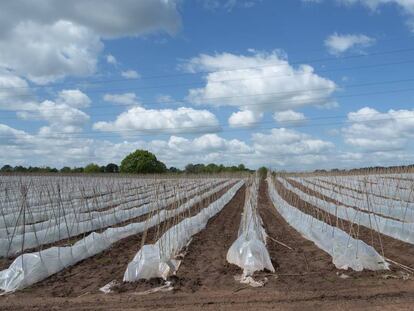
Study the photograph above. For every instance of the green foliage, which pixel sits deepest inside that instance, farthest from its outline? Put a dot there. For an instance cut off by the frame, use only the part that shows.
(111, 168)
(65, 169)
(173, 169)
(6, 169)
(92, 168)
(142, 162)
(213, 168)
(262, 172)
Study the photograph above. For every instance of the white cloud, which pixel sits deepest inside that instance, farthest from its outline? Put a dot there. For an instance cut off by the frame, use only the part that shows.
(406, 6)
(60, 116)
(14, 91)
(127, 99)
(244, 118)
(110, 59)
(44, 53)
(283, 143)
(130, 74)
(228, 5)
(338, 44)
(49, 40)
(73, 98)
(289, 116)
(261, 82)
(371, 130)
(163, 120)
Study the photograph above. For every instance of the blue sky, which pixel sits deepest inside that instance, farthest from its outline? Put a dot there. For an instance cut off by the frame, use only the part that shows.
(286, 84)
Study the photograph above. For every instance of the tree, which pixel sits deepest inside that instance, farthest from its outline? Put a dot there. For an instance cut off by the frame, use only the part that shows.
(92, 168)
(7, 169)
(65, 169)
(142, 162)
(241, 167)
(78, 170)
(262, 172)
(111, 168)
(173, 169)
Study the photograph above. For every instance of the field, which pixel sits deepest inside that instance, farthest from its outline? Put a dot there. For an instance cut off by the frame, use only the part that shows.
(288, 241)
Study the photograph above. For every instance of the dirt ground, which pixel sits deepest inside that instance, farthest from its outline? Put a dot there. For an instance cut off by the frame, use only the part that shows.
(305, 278)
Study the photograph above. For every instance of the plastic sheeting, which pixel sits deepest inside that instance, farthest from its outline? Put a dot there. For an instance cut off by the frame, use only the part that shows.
(249, 251)
(159, 260)
(28, 269)
(393, 228)
(398, 211)
(66, 229)
(346, 252)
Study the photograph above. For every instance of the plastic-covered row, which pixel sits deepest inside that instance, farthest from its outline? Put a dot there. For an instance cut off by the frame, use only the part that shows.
(159, 260)
(346, 252)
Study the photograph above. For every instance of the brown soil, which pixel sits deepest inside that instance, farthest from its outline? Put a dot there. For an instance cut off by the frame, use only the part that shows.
(92, 273)
(305, 278)
(6, 262)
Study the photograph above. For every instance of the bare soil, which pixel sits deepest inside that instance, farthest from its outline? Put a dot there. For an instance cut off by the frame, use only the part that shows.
(305, 278)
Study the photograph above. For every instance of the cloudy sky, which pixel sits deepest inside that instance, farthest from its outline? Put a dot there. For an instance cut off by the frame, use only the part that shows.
(290, 84)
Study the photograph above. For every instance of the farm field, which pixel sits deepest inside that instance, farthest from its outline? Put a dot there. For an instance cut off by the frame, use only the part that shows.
(289, 241)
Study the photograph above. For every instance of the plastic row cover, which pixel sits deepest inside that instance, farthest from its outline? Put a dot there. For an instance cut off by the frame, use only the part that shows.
(354, 189)
(74, 216)
(249, 251)
(158, 260)
(28, 269)
(346, 252)
(65, 230)
(393, 228)
(87, 206)
(400, 211)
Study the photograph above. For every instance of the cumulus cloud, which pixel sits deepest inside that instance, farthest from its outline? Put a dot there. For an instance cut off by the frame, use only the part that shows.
(289, 116)
(338, 44)
(127, 99)
(14, 91)
(110, 59)
(282, 142)
(62, 114)
(259, 82)
(48, 41)
(371, 130)
(276, 148)
(244, 118)
(228, 5)
(130, 74)
(73, 98)
(406, 6)
(44, 53)
(162, 120)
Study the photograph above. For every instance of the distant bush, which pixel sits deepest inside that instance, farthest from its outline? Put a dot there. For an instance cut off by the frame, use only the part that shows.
(92, 168)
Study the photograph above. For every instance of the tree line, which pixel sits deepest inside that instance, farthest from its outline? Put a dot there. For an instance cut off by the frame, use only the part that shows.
(137, 162)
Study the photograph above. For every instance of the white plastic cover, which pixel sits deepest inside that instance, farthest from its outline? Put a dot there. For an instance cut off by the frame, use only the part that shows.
(393, 228)
(28, 269)
(159, 260)
(346, 252)
(249, 251)
(72, 228)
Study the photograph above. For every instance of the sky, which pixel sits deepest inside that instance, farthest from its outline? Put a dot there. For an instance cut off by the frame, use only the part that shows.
(287, 84)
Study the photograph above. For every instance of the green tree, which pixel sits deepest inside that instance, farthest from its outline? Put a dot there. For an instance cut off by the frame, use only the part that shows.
(65, 169)
(262, 172)
(7, 168)
(92, 168)
(142, 162)
(111, 168)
